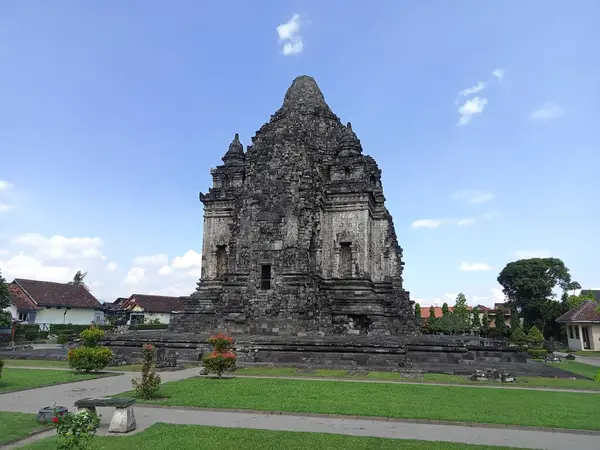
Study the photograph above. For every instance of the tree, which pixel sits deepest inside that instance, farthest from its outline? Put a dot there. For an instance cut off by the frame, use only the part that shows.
(515, 320)
(485, 324)
(529, 284)
(476, 321)
(518, 336)
(499, 323)
(575, 300)
(461, 313)
(573, 286)
(432, 319)
(445, 309)
(78, 279)
(5, 316)
(535, 337)
(418, 311)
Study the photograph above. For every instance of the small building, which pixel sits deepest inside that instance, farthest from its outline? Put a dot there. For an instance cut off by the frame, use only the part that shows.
(583, 326)
(150, 308)
(47, 303)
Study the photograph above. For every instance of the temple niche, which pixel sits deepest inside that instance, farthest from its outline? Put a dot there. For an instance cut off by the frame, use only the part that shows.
(297, 239)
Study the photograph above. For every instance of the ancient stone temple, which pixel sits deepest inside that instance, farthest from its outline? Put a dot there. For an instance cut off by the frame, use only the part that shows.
(297, 238)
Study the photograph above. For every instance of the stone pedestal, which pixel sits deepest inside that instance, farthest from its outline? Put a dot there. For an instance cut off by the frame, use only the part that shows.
(123, 421)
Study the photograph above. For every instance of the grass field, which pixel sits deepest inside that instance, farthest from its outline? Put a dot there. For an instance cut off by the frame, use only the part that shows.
(557, 383)
(401, 401)
(15, 426)
(192, 437)
(65, 364)
(15, 379)
(591, 354)
(579, 368)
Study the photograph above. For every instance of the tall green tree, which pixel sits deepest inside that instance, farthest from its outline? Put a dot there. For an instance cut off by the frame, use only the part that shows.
(576, 300)
(445, 309)
(515, 320)
(476, 321)
(485, 324)
(461, 313)
(499, 323)
(5, 317)
(529, 284)
(418, 311)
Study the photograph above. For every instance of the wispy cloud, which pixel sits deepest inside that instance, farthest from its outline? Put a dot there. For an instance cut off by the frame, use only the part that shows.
(5, 185)
(480, 86)
(548, 111)
(473, 196)
(427, 223)
(465, 221)
(289, 36)
(469, 109)
(499, 74)
(538, 253)
(474, 267)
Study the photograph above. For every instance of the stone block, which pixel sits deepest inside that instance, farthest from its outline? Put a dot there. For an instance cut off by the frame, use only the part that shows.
(123, 421)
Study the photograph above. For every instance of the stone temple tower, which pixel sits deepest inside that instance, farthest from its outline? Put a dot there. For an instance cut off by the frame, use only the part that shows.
(297, 238)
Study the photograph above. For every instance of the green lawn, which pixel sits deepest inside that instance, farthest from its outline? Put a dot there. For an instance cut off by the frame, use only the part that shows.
(65, 364)
(401, 401)
(579, 368)
(593, 354)
(192, 437)
(15, 426)
(14, 379)
(561, 383)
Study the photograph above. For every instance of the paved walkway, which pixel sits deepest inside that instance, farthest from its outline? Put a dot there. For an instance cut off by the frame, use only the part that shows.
(358, 427)
(591, 360)
(66, 394)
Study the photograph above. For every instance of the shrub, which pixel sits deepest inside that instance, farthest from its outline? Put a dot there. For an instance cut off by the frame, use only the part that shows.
(63, 338)
(91, 337)
(87, 359)
(221, 359)
(518, 336)
(494, 333)
(1, 367)
(597, 373)
(537, 353)
(148, 384)
(31, 335)
(149, 326)
(535, 337)
(43, 334)
(75, 430)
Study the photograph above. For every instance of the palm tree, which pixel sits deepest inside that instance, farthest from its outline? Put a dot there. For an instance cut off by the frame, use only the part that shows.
(78, 280)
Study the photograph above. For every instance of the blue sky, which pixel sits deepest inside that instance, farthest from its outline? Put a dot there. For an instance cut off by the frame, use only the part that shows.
(112, 114)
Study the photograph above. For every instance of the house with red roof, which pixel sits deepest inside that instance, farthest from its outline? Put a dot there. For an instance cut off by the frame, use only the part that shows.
(144, 308)
(47, 303)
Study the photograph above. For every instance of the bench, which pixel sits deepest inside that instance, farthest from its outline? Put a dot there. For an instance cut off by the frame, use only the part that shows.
(123, 419)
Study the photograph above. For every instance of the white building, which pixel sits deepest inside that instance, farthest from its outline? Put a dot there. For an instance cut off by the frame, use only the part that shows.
(150, 308)
(46, 303)
(583, 326)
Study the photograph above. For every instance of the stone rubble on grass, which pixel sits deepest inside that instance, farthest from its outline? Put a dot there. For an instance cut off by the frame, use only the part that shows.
(552, 358)
(203, 371)
(492, 375)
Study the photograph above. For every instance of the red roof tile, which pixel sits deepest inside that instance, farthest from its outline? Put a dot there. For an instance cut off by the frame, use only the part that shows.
(585, 312)
(47, 293)
(20, 299)
(156, 303)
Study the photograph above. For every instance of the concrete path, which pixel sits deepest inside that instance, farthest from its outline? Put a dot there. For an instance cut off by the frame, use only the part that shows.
(591, 360)
(358, 427)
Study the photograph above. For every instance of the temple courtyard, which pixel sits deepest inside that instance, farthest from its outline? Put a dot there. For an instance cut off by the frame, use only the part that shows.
(282, 408)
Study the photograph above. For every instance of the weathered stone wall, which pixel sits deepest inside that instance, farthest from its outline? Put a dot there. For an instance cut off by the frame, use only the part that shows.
(304, 201)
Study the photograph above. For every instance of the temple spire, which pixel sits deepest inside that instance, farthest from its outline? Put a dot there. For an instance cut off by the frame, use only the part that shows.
(304, 95)
(235, 154)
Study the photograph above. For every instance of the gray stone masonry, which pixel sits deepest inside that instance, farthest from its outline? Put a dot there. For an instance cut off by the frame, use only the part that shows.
(297, 239)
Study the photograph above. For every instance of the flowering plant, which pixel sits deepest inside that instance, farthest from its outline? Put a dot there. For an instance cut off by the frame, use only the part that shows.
(148, 384)
(75, 430)
(221, 359)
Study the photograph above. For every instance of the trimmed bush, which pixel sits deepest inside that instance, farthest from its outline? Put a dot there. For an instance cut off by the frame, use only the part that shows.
(88, 359)
(63, 338)
(518, 336)
(91, 337)
(221, 359)
(537, 353)
(535, 337)
(31, 335)
(597, 374)
(43, 334)
(75, 329)
(149, 326)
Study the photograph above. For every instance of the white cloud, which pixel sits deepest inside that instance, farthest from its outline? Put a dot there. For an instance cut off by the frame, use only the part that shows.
(111, 266)
(464, 222)
(427, 223)
(472, 196)
(289, 36)
(189, 260)
(5, 207)
(539, 253)
(25, 266)
(5, 185)
(548, 111)
(158, 259)
(498, 294)
(60, 247)
(499, 73)
(474, 267)
(470, 108)
(165, 270)
(473, 89)
(135, 275)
